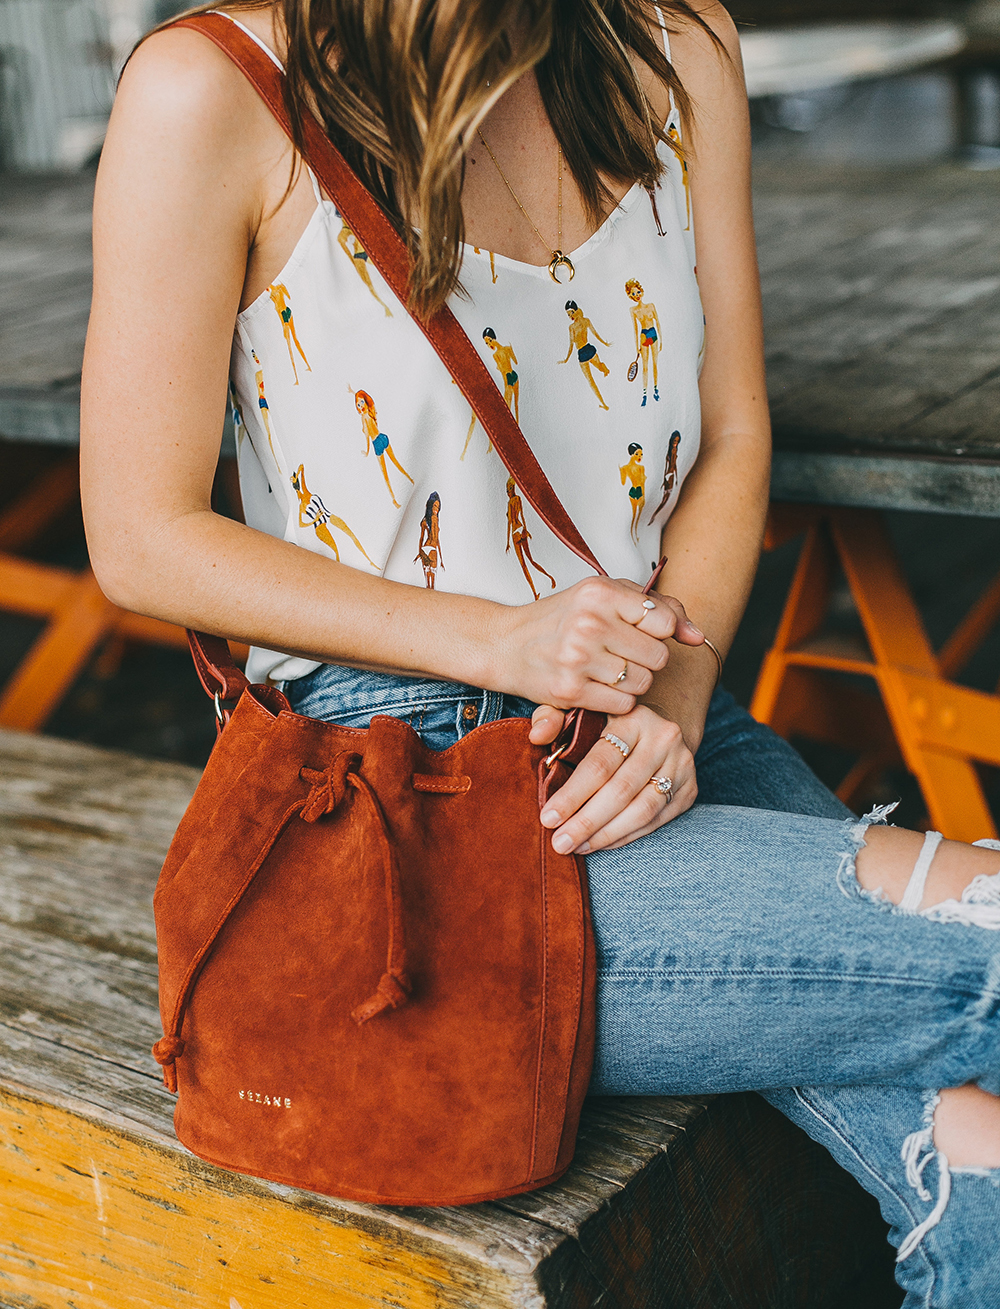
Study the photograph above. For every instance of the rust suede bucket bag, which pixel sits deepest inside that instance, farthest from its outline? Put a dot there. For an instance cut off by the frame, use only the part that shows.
(376, 975)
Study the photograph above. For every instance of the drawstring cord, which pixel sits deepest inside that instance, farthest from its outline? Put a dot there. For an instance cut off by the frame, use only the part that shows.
(327, 789)
(394, 985)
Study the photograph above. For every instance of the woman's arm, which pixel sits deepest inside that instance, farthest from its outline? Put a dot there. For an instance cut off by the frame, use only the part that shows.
(188, 226)
(713, 537)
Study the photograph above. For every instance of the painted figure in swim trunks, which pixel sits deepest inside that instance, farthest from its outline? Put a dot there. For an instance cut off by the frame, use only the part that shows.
(646, 322)
(669, 473)
(239, 427)
(358, 255)
(279, 295)
(493, 267)
(635, 473)
(429, 549)
(262, 405)
(586, 354)
(518, 536)
(314, 513)
(505, 359)
(675, 139)
(377, 440)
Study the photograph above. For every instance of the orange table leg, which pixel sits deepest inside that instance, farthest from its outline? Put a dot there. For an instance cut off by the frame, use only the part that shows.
(24, 520)
(80, 622)
(938, 726)
(80, 617)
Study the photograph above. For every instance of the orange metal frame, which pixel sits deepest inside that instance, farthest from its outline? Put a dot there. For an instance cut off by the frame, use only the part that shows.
(931, 724)
(80, 618)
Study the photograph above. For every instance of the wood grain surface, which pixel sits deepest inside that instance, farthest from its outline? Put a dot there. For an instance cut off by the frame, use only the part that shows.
(669, 1202)
(881, 294)
(45, 277)
(882, 309)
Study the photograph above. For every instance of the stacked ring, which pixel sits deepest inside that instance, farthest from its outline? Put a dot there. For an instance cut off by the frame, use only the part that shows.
(618, 743)
(665, 786)
(622, 675)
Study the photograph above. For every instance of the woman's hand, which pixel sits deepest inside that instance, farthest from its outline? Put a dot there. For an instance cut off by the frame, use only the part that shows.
(610, 800)
(571, 649)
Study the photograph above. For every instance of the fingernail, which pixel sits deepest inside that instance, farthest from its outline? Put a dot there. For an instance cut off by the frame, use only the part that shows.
(697, 630)
(584, 849)
(562, 844)
(549, 818)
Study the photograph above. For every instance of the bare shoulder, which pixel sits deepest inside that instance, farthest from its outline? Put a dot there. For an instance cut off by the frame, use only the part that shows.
(697, 53)
(179, 82)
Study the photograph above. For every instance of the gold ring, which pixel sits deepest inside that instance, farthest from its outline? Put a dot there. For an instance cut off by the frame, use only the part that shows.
(622, 675)
(618, 743)
(665, 786)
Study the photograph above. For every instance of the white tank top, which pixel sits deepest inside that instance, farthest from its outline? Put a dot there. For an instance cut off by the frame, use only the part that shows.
(353, 440)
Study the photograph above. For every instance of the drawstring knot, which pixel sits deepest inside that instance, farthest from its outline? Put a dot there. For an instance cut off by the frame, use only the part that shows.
(392, 991)
(327, 786)
(165, 1051)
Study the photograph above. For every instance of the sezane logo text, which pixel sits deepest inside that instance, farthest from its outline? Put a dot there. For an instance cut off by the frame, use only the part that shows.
(276, 1101)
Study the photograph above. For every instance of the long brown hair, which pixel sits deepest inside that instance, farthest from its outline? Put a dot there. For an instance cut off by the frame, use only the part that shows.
(402, 85)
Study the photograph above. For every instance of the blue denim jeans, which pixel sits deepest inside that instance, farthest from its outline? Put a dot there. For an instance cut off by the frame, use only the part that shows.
(737, 951)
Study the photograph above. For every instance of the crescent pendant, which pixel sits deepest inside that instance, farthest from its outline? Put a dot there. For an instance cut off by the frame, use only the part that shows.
(559, 260)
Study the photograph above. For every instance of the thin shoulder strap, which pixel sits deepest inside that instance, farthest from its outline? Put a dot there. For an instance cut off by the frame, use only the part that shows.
(664, 34)
(665, 37)
(388, 252)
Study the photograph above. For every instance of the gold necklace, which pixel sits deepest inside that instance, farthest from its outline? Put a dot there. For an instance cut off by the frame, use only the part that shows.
(558, 260)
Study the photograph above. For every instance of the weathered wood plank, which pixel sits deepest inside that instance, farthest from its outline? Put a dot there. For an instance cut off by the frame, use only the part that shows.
(122, 1218)
(882, 307)
(45, 271)
(881, 297)
(945, 486)
(102, 1206)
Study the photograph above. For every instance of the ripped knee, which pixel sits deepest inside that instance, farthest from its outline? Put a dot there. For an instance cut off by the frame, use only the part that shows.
(967, 1127)
(960, 1133)
(945, 881)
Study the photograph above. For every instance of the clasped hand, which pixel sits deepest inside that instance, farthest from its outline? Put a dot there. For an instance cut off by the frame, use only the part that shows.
(595, 646)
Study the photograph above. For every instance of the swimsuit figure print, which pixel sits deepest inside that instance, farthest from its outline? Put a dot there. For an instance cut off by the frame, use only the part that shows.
(586, 353)
(314, 513)
(358, 256)
(262, 405)
(669, 473)
(675, 139)
(429, 549)
(281, 300)
(518, 536)
(635, 473)
(239, 427)
(493, 267)
(505, 359)
(646, 322)
(365, 406)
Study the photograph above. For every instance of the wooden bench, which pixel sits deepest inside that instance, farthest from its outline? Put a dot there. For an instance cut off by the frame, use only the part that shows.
(670, 1203)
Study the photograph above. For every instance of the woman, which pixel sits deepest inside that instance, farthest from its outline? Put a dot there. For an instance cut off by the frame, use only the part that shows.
(365, 406)
(429, 548)
(754, 940)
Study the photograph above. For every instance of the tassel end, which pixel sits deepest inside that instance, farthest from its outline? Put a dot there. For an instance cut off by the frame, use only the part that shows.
(392, 992)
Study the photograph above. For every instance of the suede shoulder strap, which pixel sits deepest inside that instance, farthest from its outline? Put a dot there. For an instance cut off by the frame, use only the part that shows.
(388, 252)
